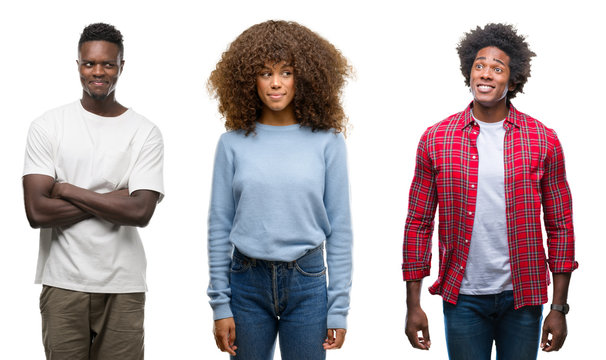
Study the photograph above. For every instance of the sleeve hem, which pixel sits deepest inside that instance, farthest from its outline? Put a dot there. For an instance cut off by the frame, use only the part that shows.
(336, 322)
(562, 266)
(222, 311)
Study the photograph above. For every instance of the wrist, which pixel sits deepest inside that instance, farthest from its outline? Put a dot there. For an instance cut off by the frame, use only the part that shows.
(560, 308)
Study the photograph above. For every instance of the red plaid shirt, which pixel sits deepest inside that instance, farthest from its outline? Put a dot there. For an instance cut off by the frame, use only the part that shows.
(446, 174)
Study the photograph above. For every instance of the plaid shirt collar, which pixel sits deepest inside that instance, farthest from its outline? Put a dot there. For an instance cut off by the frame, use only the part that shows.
(514, 117)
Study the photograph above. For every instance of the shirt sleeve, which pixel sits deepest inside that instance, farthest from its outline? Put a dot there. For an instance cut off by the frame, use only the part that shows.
(339, 242)
(38, 152)
(418, 230)
(147, 172)
(557, 209)
(220, 219)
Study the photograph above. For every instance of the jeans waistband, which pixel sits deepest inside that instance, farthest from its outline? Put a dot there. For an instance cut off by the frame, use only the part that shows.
(290, 264)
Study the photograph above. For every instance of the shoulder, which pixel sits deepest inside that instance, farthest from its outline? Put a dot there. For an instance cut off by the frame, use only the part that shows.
(329, 136)
(533, 125)
(232, 137)
(445, 126)
(59, 114)
(140, 120)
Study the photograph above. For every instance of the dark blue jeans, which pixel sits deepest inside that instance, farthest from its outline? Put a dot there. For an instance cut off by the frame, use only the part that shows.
(286, 298)
(477, 320)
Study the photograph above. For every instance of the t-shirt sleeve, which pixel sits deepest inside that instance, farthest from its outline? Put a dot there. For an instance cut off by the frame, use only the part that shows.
(38, 152)
(147, 172)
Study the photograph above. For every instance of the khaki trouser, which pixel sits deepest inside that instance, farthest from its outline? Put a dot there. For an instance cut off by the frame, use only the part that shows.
(82, 326)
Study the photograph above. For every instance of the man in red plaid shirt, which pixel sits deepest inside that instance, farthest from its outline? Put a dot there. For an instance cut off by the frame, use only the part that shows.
(491, 168)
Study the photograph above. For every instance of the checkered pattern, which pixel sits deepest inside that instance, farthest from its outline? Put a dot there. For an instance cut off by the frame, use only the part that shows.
(446, 175)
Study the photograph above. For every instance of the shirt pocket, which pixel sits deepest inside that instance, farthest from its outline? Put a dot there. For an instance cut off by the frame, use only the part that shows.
(114, 167)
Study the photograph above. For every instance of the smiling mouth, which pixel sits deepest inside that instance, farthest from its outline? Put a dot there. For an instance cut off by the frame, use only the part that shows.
(485, 88)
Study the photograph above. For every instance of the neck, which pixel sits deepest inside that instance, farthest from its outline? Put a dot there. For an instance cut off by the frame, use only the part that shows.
(283, 117)
(490, 114)
(108, 106)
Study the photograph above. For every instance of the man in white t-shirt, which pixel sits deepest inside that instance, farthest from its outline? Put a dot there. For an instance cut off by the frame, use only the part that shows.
(92, 175)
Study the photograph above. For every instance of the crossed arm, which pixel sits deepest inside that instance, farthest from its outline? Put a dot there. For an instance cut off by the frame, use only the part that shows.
(52, 204)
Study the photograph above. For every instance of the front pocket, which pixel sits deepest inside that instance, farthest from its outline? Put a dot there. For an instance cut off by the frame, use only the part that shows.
(312, 274)
(239, 265)
(311, 264)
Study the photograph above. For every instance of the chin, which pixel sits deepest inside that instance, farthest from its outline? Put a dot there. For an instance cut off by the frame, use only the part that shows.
(97, 96)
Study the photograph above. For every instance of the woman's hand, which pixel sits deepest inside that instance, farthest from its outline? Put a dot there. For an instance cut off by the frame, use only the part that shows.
(334, 339)
(225, 335)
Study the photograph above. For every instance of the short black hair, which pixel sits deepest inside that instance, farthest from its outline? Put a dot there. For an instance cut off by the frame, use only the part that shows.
(504, 37)
(102, 31)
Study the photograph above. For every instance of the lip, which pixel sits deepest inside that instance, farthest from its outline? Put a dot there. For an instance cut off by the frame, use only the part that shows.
(97, 82)
(276, 96)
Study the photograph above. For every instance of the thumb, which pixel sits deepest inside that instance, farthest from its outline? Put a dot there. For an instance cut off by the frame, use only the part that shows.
(330, 336)
(426, 336)
(232, 336)
(544, 337)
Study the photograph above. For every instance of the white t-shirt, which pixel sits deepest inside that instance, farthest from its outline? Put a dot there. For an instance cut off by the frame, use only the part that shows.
(101, 154)
(488, 270)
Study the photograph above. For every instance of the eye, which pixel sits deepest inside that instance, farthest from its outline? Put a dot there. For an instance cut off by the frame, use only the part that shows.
(498, 70)
(479, 66)
(265, 74)
(109, 65)
(286, 73)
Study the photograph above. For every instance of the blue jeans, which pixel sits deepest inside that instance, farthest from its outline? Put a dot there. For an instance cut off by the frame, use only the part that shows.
(477, 320)
(286, 298)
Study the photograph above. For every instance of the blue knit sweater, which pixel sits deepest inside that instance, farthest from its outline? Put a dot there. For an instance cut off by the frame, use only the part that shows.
(276, 194)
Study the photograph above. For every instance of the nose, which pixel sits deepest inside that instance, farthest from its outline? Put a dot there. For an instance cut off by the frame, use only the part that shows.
(486, 73)
(98, 69)
(275, 81)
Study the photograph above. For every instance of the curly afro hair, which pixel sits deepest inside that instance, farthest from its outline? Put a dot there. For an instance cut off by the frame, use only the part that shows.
(505, 38)
(320, 74)
(102, 31)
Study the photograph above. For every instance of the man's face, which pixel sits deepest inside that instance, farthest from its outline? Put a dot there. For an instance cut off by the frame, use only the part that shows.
(489, 80)
(100, 66)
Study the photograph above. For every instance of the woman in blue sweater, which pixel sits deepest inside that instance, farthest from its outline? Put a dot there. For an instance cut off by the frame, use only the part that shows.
(280, 195)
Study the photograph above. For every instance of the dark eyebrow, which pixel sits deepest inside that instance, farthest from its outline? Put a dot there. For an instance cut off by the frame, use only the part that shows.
(495, 59)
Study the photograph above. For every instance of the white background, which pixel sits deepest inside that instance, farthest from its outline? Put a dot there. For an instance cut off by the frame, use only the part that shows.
(407, 79)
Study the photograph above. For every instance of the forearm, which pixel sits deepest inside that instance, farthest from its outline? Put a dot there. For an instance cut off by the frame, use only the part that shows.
(561, 282)
(116, 207)
(219, 261)
(339, 261)
(44, 211)
(413, 293)
(55, 213)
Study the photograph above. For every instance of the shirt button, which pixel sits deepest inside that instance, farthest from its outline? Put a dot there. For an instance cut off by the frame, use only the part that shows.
(461, 267)
(466, 241)
(475, 132)
(470, 213)
(473, 186)
(474, 157)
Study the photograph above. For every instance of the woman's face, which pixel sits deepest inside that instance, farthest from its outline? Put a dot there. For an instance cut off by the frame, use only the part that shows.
(276, 85)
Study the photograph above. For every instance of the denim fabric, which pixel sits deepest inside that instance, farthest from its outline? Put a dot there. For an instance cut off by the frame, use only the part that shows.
(477, 320)
(286, 298)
